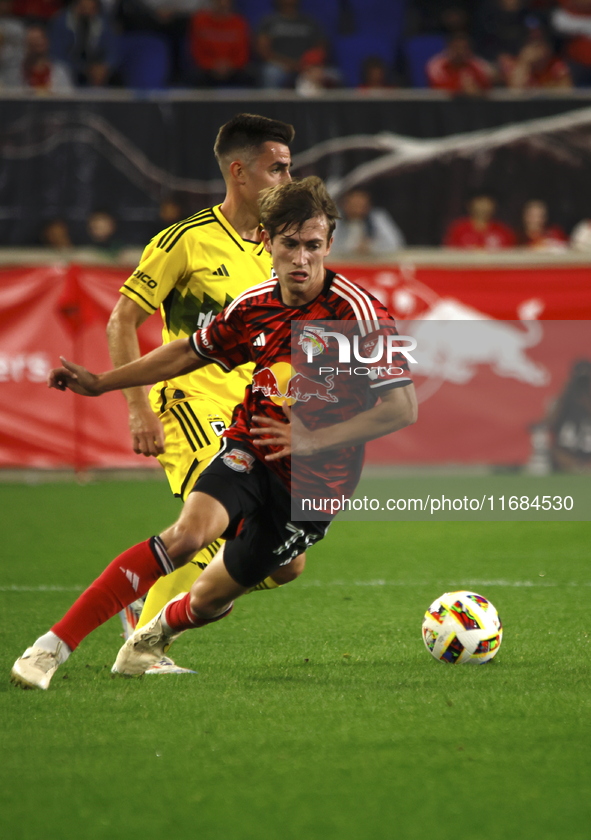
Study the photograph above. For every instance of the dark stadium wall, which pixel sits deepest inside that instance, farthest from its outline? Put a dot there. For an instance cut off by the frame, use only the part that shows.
(420, 158)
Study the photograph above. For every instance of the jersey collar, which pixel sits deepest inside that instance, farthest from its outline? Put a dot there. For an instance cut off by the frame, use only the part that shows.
(242, 244)
(328, 278)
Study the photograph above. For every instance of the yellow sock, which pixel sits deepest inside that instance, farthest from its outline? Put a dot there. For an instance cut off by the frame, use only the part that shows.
(166, 588)
(181, 580)
(267, 583)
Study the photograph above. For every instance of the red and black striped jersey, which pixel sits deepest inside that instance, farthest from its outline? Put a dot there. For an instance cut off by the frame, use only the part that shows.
(296, 363)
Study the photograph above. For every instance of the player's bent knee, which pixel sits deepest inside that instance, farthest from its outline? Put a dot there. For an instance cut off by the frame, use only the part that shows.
(285, 574)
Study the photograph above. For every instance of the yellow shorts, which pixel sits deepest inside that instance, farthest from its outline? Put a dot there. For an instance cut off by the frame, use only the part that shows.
(193, 430)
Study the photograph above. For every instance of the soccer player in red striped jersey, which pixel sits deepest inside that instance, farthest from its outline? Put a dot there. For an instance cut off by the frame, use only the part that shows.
(244, 494)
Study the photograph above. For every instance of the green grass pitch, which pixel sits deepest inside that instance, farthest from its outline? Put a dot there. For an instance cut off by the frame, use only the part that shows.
(316, 712)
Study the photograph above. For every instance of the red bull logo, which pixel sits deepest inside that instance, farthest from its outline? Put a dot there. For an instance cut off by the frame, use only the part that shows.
(301, 388)
(238, 460)
(282, 383)
(448, 352)
(266, 382)
(454, 340)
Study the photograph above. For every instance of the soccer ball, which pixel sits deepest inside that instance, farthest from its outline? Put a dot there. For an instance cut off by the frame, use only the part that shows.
(462, 627)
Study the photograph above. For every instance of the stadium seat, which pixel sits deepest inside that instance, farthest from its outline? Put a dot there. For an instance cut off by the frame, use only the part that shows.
(327, 13)
(254, 10)
(417, 52)
(379, 16)
(352, 50)
(145, 61)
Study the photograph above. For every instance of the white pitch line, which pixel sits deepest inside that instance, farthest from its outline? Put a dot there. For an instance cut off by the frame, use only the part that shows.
(460, 584)
(41, 588)
(318, 583)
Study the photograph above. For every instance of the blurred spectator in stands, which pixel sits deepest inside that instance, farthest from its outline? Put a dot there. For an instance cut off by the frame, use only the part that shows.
(572, 22)
(154, 15)
(36, 10)
(458, 70)
(314, 76)
(365, 230)
(55, 234)
(455, 17)
(12, 46)
(286, 42)
(167, 20)
(501, 27)
(479, 229)
(38, 69)
(569, 422)
(220, 47)
(170, 211)
(542, 8)
(443, 16)
(535, 230)
(535, 66)
(580, 238)
(140, 16)
(101, 230)
(83, 37)
(375, 74)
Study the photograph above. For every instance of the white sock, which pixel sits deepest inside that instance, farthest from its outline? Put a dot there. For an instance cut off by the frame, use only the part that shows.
(54, 644)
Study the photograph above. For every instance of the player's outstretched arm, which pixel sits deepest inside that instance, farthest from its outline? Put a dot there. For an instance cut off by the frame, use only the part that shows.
(397, 409)
(174, 359)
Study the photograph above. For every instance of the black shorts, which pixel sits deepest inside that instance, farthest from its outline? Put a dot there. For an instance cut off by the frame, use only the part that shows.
(260, 536)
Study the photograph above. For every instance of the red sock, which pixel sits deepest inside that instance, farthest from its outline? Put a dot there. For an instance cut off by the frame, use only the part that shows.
(127, 577)
(179, 615)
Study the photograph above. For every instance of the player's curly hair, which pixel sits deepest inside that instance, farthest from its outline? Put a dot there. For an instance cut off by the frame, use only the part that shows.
(287, 206)
(246, 133)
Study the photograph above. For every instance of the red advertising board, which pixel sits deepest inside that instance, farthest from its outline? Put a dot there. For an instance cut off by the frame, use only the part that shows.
(494, 291)
(477, 405)
(46, 313)
(477, 402)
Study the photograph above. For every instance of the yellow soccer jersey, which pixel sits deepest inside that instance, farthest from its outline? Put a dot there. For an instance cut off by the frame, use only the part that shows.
(192, 270)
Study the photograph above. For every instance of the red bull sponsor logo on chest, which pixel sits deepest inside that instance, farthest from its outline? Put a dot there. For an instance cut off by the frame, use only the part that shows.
(282, 383)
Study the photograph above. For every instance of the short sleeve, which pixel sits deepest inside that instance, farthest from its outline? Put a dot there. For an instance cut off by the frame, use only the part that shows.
(157, 274)
(224, 341)
(378, 343)
(391, 370)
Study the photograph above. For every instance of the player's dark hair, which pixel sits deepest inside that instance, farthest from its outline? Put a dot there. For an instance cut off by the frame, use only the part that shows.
(289, 205)
(246, 133)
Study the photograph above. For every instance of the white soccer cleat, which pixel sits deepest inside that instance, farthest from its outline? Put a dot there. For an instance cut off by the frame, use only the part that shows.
(145, 648)
(167, 666)
(34, 669)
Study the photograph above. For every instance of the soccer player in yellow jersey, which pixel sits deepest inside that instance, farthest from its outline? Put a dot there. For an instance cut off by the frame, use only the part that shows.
(190, 271)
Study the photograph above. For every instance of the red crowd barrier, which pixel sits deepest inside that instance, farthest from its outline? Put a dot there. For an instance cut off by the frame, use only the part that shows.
(50, 311)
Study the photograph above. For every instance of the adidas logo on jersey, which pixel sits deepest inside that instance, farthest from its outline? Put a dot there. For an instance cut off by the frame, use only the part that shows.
(222, 271)
(260, 340)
